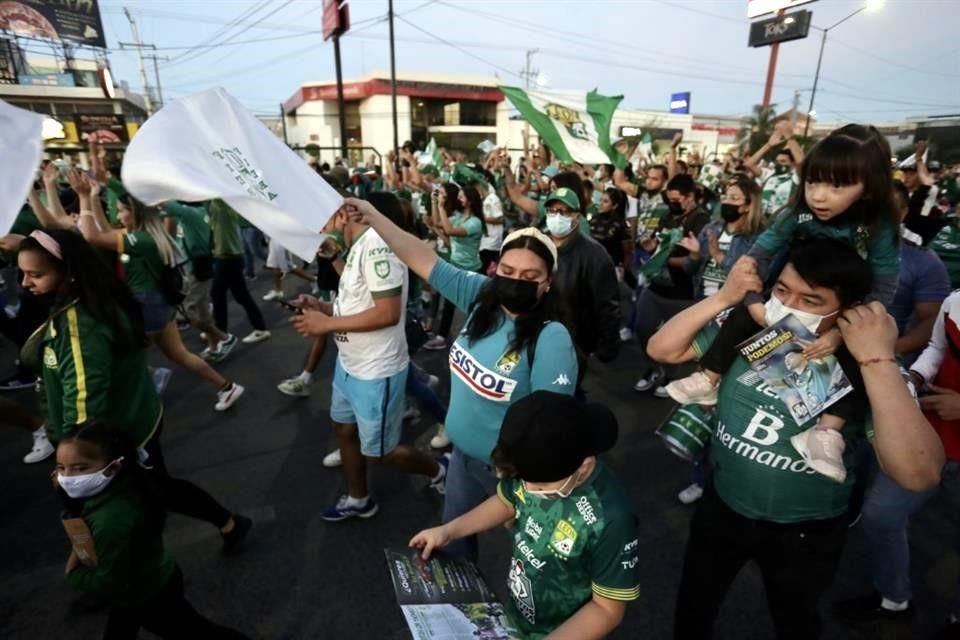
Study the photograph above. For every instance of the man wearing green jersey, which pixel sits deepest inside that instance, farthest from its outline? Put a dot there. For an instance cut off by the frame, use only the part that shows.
(575, 560)
(765, 504)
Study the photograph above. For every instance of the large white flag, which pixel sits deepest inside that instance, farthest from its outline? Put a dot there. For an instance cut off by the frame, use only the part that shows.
(20, 147)
(208, 146)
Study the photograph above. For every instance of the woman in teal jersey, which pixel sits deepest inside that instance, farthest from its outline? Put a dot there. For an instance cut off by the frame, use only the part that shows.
(512, 344)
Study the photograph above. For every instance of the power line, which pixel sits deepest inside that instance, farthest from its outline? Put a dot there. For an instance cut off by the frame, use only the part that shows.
(894, 63)
(223, 30)
(458, 48)
(701, 12)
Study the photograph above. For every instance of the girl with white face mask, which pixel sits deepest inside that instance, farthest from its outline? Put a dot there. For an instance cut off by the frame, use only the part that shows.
(114, 516)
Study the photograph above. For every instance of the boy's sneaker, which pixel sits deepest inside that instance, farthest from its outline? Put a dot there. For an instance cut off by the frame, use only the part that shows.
(294, 387)
(441, 440)
(212, 354)
(867, 608)
(42, 449)
(649, 382)
(691, 494)
(332, 459)
(257, 335)
(345, 509)
(229, 396)
(273, 294)
(697, 388)
(661, 392)
(436, 343)
(626, 335)
(439, 483)
(823, 451)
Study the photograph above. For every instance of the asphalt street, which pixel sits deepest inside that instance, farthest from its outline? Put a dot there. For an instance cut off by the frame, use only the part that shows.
(300, 577)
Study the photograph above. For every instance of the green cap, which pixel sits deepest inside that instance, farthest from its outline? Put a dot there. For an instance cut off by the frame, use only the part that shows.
(566, 196)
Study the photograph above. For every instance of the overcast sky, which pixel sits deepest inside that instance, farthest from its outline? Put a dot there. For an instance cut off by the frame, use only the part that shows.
(881, 66)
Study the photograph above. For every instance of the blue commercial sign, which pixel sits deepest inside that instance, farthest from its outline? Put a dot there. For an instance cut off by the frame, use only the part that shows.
(680, 102)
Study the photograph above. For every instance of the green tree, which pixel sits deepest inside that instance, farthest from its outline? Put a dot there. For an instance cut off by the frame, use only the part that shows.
(757, 128)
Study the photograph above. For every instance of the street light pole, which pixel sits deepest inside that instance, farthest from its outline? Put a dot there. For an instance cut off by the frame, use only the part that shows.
(393, 91)
(871, 4)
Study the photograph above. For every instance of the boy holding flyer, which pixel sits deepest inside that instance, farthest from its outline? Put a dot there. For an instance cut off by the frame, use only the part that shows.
(575, 557)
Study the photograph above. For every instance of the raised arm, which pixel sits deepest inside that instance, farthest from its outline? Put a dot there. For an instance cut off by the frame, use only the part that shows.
(672, 154)
(518, 197)
(673, 343)
(93, 224)
(415, 253)
(907, 447)
(620, 182)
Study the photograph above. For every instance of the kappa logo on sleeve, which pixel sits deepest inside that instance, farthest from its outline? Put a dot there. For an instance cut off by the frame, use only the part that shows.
(482, 381)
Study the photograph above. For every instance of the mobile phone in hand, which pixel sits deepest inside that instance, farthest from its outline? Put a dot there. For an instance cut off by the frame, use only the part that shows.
(290, 306)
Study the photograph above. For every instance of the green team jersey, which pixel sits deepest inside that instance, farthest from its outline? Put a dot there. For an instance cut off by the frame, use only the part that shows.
(650, 209)
(756, 471)
(881, 248)
(225, 225)
(777, 191)
(947, 245)
(143, 264)
(132, 565)
(193, 228)
(566, 550)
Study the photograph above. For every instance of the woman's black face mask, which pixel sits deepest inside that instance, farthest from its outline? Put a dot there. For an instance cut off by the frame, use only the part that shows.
(516, 296)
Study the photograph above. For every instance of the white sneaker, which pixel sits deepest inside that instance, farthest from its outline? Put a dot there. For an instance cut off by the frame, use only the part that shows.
(273, 294)
(696, 388)
(225, 346)
(661, 392)
(823, 451)
(332, 459)
(626, 335)
(42, 449)
(294, 387)
(436, 343)
(257, 335)
(229, 396)
(441, 440)
(691, 494)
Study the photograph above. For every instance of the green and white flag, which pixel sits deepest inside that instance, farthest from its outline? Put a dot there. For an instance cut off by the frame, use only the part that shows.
(574, 125)
(430, 155)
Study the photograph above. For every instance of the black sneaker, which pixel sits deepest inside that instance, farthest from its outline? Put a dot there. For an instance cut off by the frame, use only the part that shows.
(867, 608)
(234, 540)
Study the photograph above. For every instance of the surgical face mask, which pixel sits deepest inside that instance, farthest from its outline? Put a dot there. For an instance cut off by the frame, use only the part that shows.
(516, 296)
(88, 484)
(559, 225)
(775, 311)
(563, 491)
(730, 212)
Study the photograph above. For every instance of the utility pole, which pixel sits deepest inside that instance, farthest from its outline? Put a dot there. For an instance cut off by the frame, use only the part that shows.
(793, 112)
(341, 109)
(136, 44)
(393, 91)
(156, 74)
(528, 74)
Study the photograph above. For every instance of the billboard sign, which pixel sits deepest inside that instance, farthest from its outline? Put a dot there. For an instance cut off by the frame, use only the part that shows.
(336, 18)
(680, 102)
(47, 79)
(75, 20)
(756, 8)
(792, 26)
(105, 128)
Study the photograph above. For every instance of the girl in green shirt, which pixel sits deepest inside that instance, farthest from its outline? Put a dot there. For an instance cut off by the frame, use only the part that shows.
(123, 561)
(145, 250)
(465, 229)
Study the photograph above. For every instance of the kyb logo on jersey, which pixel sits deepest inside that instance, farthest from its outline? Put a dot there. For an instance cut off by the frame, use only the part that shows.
(482, 381)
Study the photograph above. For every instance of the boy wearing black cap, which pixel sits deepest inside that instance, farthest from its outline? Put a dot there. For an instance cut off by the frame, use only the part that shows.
(575, 560)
